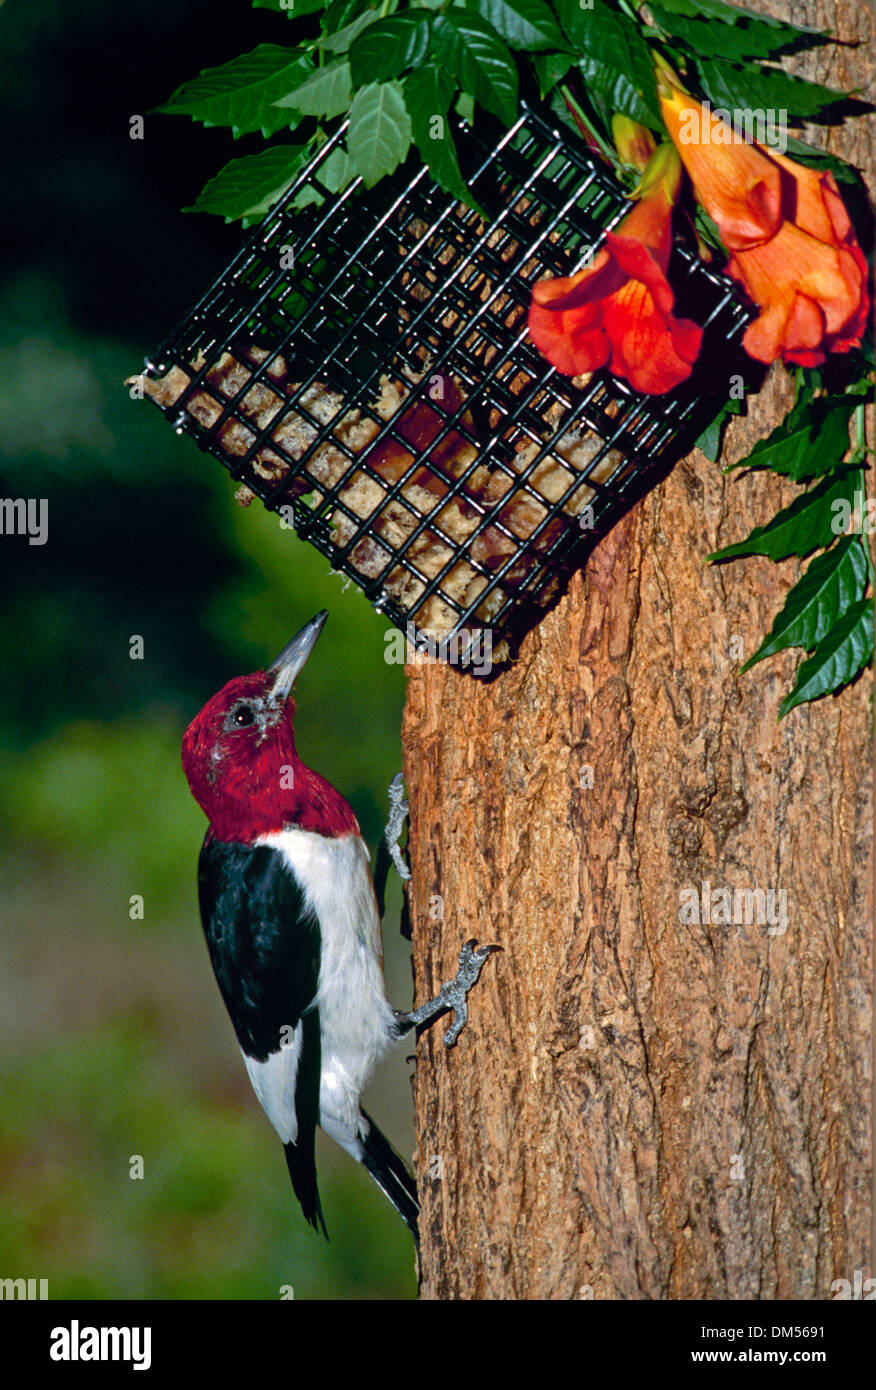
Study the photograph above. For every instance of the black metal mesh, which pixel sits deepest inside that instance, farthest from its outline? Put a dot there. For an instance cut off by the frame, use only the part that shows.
(366, 363)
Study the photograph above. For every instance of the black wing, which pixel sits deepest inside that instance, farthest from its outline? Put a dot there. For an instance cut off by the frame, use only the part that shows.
(265, 948)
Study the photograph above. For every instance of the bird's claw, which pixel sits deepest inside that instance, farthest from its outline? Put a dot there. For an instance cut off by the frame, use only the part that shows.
(451, 996)
(454, 992)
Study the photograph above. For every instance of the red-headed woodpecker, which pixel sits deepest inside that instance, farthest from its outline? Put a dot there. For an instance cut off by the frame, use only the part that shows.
(290, 916)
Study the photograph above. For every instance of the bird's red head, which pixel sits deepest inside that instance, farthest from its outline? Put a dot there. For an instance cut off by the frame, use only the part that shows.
(241, 762)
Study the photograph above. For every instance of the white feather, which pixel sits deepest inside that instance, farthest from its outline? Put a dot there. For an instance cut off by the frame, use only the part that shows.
(356, 1021)
(274, 1083)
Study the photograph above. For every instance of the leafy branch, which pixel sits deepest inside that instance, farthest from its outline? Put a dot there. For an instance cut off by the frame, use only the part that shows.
(396, 69)
(826, 613)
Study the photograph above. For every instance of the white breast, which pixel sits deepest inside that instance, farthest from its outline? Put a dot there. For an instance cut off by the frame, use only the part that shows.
(356, 1020)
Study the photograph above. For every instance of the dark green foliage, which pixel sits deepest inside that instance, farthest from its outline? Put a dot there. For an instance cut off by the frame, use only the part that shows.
(826, 612)
(485, 48)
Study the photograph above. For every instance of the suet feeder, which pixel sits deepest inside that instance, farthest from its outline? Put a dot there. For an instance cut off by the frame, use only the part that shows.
(362, 365)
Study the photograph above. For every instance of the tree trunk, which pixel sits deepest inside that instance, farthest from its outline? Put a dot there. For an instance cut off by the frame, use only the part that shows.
(640, 1107)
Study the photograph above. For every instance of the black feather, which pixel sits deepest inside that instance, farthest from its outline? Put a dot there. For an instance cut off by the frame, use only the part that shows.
(264, 945)
(300, 1156)
(388, 1170)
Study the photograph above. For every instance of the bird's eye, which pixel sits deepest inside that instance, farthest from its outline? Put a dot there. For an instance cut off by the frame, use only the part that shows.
(242, 716)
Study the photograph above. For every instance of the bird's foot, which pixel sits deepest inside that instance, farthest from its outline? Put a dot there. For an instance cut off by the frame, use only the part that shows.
(389, 850)
(452, 996)
(398, 810)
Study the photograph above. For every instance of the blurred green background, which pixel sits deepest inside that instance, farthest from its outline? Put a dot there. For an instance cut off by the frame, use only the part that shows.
(113, 1036)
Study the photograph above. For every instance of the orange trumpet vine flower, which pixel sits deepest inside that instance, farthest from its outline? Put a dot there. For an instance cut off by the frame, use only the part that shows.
(792, 244)
(619, 311)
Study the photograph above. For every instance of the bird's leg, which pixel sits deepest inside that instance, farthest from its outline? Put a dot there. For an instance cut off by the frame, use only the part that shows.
(388, 849)
(398, 810)
(452, 995)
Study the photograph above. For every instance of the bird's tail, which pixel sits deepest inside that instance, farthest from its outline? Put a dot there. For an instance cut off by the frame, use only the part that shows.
(301, 1155)
(388, 1170)
(302, 1171)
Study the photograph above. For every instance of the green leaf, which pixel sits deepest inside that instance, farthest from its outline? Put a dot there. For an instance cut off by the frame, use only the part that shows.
(306, 196)
(820, 159)
(339, 14)
(759, 88)
(479, 60)
(716, 9)
(464, 107)
(707, 230)
(837, 659)
(428, 94)
(380, 131)
(808, 381)
(326, 92)
(339, 40)
(605, 36)
(833, 582)
(615, 92)
(550, 68)
(240, 94)
(387, 48)
(526, 24)
(616, 61)
(747, 38)
(710, 439)
(333, 174)
(810, 441)
(293, 8)
(336, 170)
(806, 525)
(247, 188)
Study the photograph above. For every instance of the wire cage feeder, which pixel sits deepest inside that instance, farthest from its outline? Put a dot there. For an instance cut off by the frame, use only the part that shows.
(362, 365)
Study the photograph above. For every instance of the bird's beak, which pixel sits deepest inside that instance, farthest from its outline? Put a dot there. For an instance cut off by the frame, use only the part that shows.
(293, 657)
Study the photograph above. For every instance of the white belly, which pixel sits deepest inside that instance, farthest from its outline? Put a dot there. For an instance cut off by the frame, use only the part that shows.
(356, 1020)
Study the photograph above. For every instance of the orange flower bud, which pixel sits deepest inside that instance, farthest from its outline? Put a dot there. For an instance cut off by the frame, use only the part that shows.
(634, 143)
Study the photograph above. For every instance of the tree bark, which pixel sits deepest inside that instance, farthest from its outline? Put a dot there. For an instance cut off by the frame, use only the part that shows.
(640, 1108)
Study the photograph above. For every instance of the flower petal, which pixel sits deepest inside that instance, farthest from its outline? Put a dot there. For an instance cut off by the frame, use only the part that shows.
(796, 263)
(652, 350)
(639, 263)
(738, 184)
(620, 310)
(587, 286)
(574, 341)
